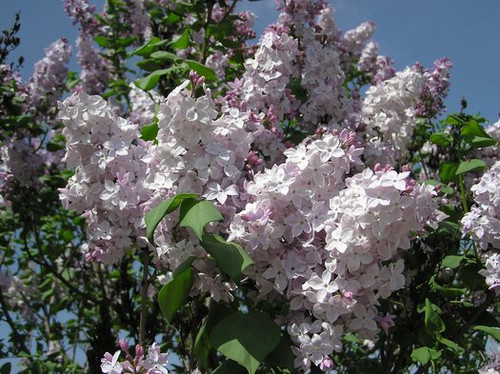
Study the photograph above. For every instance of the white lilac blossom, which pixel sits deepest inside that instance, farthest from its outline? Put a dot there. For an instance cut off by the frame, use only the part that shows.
(48, 81)
(482, 224)
(143, 105)
(389, 116)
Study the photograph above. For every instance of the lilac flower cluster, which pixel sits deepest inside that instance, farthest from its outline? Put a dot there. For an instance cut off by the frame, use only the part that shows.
(82, 14)
(321, 240)
(154, 362)
(108, 184)
(95, 70)
(482, 224)
(47, 84)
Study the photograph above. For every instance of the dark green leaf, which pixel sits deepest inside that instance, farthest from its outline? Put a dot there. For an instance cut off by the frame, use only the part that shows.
(151, 80)
(5, 369)
(470, 165)
(481, 141)
(490, 330)
(149, 132)
(282, 356)
(229, 256)
(441, 138)
(229, 367)
(447, 172)
(148, 65)
(202, 346)
(195, 214)
(175, 292)
(102, 41)
(202, 70)
(246, 338)
(433, 322)
(155, 215)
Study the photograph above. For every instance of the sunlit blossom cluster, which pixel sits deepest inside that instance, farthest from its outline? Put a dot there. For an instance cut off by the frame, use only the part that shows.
(482, 224)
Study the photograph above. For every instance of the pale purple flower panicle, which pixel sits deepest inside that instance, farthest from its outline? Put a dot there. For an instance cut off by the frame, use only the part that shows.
(95, 70)
(482, 224)
(83, 14)
(48, 81)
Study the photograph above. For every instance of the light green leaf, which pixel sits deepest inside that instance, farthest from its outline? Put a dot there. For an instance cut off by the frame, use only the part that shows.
(147, 48)
(202, 70)
(433, 322)
(195, 214)
(452, 261)
(246, 338)
(155, 215)
(451, 345)
(490, 330)
(175, 292)
(471, 165)
(165, 56)
(421, 355)
(183, 41)
(424, 354)
(230, 257)
(441, 138)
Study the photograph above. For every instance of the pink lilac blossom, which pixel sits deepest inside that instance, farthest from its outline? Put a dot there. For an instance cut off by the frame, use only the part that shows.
(108, 184)
(154, 362)
(48, 81)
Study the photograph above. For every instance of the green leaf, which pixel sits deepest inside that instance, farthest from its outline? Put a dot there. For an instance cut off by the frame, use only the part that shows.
(454, 120)
(202, 70)
(149, 132)
(6, 368)
(165, 56)
(147, 48)
(195, 214)
(202, 346)
(490, 330)
(471, 165)
(175, 292)
(451, 345)
(441, 138)
(103, 41)
(183, 41)
(433, 322)
(246, 338)
(282, 356)
(472, 129)
(421, 355)
(229, 367)
(447, 172)
(481, 141)
(449, 227)
(230, 257)
(155, 215)
(452, 261)
(151, 80)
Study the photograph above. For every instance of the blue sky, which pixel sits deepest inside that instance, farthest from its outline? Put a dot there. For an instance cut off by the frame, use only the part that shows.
(407, 31)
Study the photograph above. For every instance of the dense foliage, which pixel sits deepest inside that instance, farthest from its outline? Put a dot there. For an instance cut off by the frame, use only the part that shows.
(290, 205)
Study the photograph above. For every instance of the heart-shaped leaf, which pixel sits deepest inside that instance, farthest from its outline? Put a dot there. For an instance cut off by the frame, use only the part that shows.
(195, 214)
(246, 338)
(229, 256)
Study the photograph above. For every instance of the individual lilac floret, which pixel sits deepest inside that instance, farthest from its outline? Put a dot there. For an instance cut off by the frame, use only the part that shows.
(48, 81)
